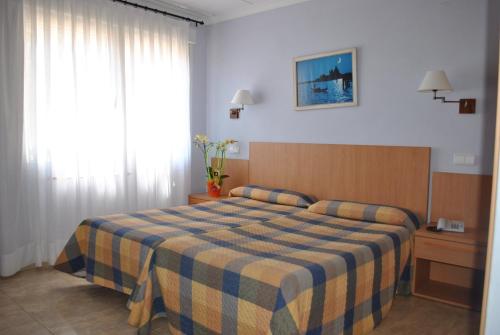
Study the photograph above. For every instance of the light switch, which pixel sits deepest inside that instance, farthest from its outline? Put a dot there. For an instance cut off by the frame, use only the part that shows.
(470, 159)
(233, 148)
(458, 159)
(464, 159)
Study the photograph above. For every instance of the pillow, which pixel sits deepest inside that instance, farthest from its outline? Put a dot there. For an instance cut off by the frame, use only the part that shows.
(275, 196)
(366, 212)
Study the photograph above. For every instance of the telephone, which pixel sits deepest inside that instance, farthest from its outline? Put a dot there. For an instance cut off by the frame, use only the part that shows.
(450, 225)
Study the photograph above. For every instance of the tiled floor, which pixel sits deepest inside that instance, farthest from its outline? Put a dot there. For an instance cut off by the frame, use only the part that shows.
(45, 301)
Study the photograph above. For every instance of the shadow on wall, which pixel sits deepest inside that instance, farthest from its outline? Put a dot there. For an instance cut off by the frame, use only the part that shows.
(491, 82)
(258, 96)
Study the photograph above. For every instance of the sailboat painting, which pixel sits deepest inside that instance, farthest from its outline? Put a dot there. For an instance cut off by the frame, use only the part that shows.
(325, 80)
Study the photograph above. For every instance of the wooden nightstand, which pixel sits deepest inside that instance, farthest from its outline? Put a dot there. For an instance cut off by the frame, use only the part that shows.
(197, 198)
(449, 267)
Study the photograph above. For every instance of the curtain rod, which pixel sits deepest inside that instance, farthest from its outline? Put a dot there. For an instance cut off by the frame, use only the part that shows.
(157, 11)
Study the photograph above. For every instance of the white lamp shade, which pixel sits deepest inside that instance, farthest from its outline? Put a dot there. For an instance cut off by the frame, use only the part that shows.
(242, 97)
(435, 81)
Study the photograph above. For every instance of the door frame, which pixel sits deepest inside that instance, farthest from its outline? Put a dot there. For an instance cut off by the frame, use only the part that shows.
(493, 218)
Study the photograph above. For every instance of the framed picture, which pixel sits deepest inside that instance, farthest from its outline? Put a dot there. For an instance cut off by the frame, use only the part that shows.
(325, 80)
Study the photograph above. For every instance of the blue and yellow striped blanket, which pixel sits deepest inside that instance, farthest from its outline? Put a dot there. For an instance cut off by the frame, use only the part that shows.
(305, 273)
(114, 249)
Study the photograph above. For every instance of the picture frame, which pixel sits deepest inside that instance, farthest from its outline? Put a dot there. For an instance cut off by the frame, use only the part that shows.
(325, 80)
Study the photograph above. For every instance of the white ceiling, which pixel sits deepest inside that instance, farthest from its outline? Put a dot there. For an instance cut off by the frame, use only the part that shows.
(214, 11)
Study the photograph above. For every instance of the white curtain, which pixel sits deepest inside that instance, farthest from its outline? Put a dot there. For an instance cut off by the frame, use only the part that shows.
(105, 124)
(14, 237)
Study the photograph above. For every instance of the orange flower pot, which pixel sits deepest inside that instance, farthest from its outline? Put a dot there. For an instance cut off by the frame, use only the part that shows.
(213, 189)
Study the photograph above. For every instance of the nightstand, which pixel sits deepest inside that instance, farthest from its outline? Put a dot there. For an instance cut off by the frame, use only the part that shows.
(198, 198)
(449, 267)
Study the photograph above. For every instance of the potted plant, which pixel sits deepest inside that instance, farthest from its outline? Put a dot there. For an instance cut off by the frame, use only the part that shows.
(215, 174)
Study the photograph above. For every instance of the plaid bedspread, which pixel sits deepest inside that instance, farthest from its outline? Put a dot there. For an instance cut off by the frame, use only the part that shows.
(305, 273)
(114, 249)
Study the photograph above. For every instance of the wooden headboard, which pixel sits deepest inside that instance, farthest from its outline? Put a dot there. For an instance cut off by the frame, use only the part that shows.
(387, 175)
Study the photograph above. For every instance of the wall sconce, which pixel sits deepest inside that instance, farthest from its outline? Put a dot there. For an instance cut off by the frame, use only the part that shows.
(242, 97)
(435, 81)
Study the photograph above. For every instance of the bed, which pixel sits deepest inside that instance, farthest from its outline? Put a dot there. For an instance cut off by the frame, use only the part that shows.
(331, 269)
(113, 250)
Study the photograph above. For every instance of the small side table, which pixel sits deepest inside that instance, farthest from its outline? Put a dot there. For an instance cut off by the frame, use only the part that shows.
(449, 267)
(198, 198)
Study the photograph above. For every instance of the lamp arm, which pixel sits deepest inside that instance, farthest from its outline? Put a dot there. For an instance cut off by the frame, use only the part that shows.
(443, 99)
